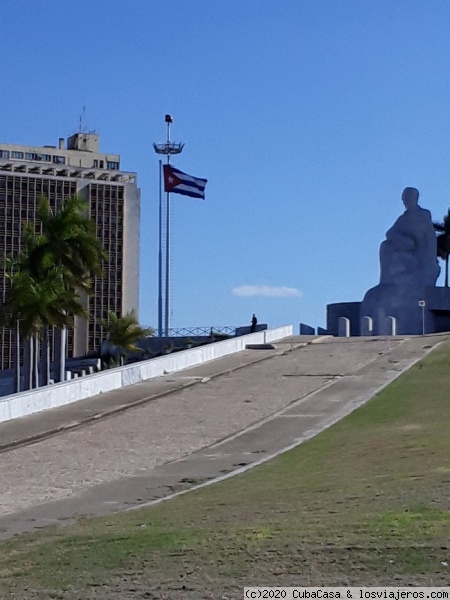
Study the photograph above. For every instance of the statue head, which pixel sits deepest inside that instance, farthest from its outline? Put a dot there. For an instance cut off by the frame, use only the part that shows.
(410, 197)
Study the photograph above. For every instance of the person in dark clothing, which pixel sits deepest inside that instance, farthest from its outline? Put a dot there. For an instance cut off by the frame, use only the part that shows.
(254, 323)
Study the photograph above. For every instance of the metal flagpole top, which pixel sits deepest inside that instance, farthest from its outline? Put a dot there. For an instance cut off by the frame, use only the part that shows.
(169, 147)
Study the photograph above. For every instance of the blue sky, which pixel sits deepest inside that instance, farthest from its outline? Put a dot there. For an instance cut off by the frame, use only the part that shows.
(307, 117)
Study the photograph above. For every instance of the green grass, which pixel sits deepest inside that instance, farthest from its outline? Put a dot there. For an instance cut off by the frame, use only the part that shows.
(366, 502)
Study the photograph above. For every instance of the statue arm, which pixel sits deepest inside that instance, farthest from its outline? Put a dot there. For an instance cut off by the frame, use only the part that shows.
(401, 238)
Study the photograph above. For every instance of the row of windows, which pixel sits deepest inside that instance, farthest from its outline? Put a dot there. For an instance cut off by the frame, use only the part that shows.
(110, 242)
(17, 212)
(12, 183)
(58, 160)
(8, 226)
(99, 301)
(24, 201)
(106, 208)
(22, 209)
(112, 237)
(10, 245)
(105, 218)
(103, 287)
(109, 190)
(111, 165)
(101, 206)
(101, 315)
(11, 225)
(113, 242)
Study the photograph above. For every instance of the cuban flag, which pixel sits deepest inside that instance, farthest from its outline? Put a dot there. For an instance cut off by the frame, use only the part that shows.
(177, 182)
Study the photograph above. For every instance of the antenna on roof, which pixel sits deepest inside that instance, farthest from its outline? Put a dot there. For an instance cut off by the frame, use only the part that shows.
(83, 120)
(83, 128)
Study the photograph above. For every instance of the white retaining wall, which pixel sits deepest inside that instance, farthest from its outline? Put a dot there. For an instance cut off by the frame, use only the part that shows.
(52, 396)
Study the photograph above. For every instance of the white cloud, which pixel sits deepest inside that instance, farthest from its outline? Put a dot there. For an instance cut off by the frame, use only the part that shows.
(267, 291)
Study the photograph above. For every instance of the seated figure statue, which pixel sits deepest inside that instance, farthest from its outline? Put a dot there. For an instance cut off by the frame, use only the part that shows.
(408, 255)
(408, 266)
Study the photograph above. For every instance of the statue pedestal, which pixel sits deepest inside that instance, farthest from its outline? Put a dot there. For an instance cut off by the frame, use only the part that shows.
(401, 302)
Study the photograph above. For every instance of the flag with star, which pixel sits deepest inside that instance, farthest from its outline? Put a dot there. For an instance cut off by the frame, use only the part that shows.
(177, 182)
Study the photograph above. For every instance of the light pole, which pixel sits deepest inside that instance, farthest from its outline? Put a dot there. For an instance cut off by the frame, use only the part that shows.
(422, 306)
(168, 148)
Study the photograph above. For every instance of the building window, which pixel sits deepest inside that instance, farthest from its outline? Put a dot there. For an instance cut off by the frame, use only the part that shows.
(59, 160)
(112, 165)
(95, 164)
(4, 153)
(31, 156)
(45, 157)
(15, 154)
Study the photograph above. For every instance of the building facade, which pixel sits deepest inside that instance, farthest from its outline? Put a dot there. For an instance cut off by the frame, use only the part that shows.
(113, 198)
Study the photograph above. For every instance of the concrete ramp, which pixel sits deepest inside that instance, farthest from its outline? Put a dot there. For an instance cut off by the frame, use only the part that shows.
(210, 422)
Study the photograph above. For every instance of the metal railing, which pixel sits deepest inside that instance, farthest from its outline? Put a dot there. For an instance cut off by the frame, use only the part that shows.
(188, 331)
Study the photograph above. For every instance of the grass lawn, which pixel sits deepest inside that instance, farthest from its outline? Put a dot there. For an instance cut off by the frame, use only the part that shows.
(366, 502)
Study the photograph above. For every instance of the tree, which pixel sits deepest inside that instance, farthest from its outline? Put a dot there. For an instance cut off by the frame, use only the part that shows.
(53, 266)
(69, 240)
(123, 333)
(34, 305)
(443, 242)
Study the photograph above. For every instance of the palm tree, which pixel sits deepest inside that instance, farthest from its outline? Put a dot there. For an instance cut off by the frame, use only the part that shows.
(37, 304)
(24, 309)
(443, 242)
(47, 275)
(69, 240)
(123, 333)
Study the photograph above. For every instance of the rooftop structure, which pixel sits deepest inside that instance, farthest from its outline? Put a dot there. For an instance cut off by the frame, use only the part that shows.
(81, 158)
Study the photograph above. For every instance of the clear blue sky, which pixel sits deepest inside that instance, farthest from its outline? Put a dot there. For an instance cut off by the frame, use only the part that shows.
(307, 117)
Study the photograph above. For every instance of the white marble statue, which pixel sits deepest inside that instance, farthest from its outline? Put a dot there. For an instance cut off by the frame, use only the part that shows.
(408, 265)
(408, 255)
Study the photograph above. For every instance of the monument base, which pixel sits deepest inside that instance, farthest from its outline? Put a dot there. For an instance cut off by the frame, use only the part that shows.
(401, 303)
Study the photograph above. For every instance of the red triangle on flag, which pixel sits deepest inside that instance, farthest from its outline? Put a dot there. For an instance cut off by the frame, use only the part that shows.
(170, 179)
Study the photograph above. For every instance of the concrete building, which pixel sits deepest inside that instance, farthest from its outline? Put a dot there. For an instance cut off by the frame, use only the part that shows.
(113, 197)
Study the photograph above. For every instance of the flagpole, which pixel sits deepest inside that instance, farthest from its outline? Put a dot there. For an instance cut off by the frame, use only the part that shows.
(167, 149)
(160, 260)
(167, 307)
